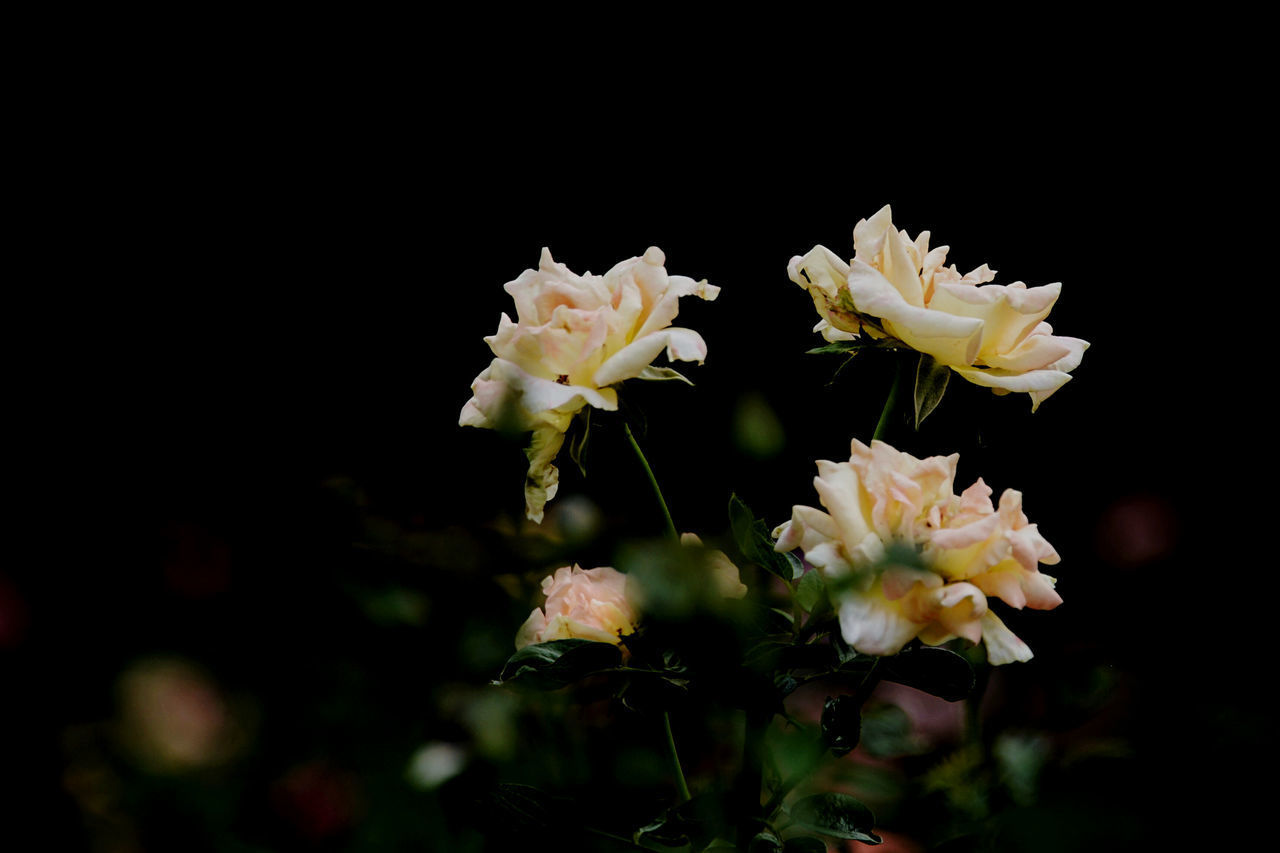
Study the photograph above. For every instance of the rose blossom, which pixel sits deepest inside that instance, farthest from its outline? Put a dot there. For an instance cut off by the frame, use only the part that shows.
(602, 605)
(971, 551)
(574, 337)
(897, 288)
(589, 604)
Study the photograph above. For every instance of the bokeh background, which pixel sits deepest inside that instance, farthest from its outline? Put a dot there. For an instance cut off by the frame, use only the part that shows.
(274, 577)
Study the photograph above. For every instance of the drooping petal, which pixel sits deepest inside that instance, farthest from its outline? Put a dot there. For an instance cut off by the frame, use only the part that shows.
(543, 479)
(680, 345)
(1003, 646)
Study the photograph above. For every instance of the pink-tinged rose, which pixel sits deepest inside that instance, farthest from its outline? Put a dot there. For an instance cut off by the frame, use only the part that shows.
(970, 552)
(897, 289)
(173, 718)
(574, 337)
(587, 604)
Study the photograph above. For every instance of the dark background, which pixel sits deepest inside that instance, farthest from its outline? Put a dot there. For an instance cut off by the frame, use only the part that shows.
(284, 304)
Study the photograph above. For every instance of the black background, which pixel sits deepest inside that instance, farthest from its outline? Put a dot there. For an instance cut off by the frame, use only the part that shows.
(284, 281)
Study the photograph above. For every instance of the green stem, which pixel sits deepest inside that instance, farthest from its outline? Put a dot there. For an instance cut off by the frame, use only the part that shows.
(757, 724)
(883, 423)
(681, 784)
(653, 481)
(973, 708)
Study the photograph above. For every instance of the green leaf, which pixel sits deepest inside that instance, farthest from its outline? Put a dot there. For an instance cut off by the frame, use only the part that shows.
(756, 544)
(837, 347)
(662, 374)
(661, 834)
(552, 665)
(766, 841)
(931, 384)
(836, 815)
(841, 724)
(699, 822)
(810, 590)
(804, 844)
(578, 444)
(938, 671)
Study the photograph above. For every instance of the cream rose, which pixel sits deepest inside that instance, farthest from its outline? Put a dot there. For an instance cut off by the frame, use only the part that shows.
(573, 338)
(897, 288)
(971, 551)
(588, 604)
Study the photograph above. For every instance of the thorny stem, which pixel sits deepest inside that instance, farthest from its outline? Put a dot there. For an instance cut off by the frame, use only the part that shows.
(681, 785)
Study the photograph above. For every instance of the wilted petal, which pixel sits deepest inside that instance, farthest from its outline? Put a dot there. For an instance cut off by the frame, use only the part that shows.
(543, 479)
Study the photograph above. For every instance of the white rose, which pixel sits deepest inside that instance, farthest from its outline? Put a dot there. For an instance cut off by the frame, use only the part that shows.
(573, 338)
(897, 288)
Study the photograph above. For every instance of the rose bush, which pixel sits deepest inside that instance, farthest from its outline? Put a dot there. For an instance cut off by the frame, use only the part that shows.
(969, 551)
(573, 338)
(897, 289)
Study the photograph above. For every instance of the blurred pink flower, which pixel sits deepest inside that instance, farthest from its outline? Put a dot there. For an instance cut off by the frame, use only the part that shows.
(173, 717)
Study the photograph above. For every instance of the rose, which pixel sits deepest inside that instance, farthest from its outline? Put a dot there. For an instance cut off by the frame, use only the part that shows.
(897, 289)
(603, 605)
(588, 604)
(573, 338)
(969, 551)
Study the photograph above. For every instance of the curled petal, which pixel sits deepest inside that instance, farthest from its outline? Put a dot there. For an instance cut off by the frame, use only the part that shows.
(1003, 646)
(631, 360)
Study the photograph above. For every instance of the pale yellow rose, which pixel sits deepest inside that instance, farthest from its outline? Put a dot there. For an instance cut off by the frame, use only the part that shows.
(587, 604)
(573, 338)
(970, 551)
(897, 289)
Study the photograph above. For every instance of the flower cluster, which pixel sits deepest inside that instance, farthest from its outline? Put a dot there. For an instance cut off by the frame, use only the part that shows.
(573, 338)
(897, 289)
(969, 551)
